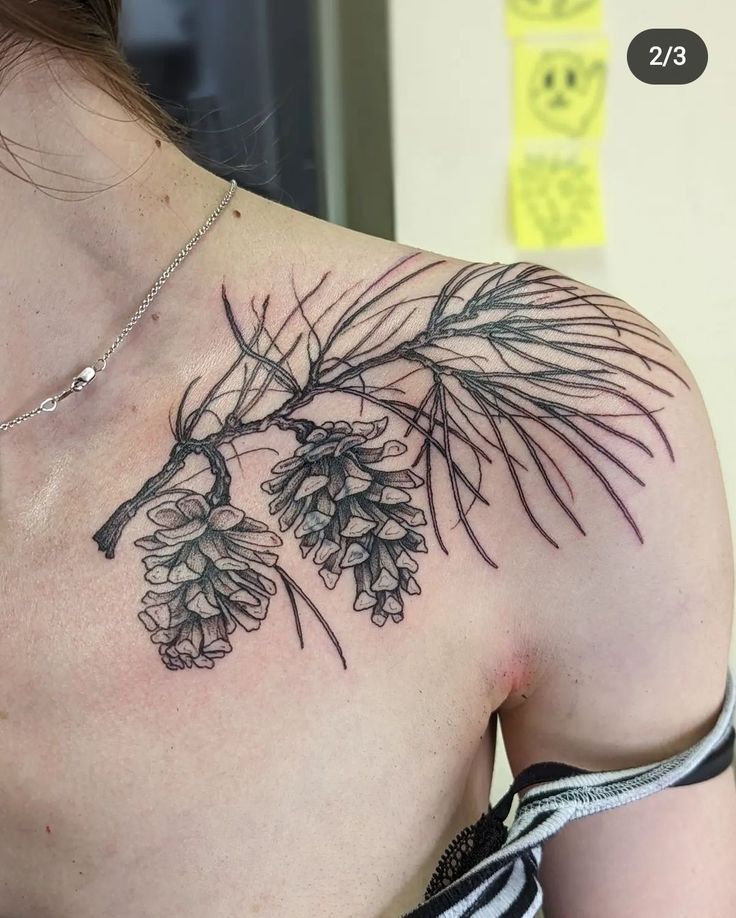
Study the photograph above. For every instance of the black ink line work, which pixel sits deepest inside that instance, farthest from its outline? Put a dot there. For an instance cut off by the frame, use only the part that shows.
(508, 367)
(352, 515)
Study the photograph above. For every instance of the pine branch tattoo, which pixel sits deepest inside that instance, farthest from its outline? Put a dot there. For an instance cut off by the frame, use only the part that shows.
(515, 366)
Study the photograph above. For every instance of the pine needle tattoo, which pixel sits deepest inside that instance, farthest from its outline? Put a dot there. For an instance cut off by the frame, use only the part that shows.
(517, 368)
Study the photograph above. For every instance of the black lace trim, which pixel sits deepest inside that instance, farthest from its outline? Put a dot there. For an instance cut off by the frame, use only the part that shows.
(486, 836)
(472, 845)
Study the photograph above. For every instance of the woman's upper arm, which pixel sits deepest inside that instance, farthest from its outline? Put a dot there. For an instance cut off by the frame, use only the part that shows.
(670, 855)
(635, 637)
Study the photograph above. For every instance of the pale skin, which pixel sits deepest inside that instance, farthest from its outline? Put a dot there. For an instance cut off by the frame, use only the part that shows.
(278, 783)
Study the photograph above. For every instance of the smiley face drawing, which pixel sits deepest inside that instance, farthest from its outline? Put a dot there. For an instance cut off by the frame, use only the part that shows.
(549, 10)
(566, 91)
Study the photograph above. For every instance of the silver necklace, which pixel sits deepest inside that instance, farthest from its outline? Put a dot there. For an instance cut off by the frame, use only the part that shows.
(85, 376)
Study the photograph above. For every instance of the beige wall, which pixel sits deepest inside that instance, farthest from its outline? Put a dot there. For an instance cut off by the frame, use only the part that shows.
(668, 164)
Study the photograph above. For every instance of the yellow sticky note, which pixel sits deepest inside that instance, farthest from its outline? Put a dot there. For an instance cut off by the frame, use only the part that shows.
(525, 17)
(559, 90)
(556, 199)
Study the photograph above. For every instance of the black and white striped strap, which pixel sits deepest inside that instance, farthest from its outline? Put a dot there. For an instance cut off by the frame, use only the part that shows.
(505, 884)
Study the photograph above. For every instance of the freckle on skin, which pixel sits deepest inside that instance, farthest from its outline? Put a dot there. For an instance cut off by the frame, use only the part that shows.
(158, 143)
(167, 199)
(3, 715)
(236, 213)
(155, 317)
(48, 830)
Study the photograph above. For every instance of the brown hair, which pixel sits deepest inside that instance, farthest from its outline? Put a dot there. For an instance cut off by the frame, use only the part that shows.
(86, 33)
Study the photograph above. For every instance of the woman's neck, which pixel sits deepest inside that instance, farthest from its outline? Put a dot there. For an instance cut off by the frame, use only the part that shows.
(93, 207)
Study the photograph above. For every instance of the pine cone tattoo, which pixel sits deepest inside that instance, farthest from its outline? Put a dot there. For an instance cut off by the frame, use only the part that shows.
(351, 514)
(203, 565)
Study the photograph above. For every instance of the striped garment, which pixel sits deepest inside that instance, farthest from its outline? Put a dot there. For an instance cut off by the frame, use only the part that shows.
(489, 872)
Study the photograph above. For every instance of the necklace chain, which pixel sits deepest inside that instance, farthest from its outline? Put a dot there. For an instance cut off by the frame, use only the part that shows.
(85, 376)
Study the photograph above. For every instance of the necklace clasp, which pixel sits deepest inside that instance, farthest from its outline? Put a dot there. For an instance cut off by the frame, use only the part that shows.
(83, 378)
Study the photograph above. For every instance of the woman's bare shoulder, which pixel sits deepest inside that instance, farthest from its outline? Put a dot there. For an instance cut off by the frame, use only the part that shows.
(634, 611)
(521, 419)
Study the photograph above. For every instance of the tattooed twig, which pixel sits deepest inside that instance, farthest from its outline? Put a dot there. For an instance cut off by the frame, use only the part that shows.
(511, 362)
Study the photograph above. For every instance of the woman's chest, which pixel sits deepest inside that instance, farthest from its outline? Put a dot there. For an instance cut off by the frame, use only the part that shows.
(279, 782)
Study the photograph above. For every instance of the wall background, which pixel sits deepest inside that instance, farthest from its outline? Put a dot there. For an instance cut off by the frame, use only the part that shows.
(668, 173)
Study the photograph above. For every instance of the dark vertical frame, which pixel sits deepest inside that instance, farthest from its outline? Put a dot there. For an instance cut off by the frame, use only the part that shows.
(366, 116)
